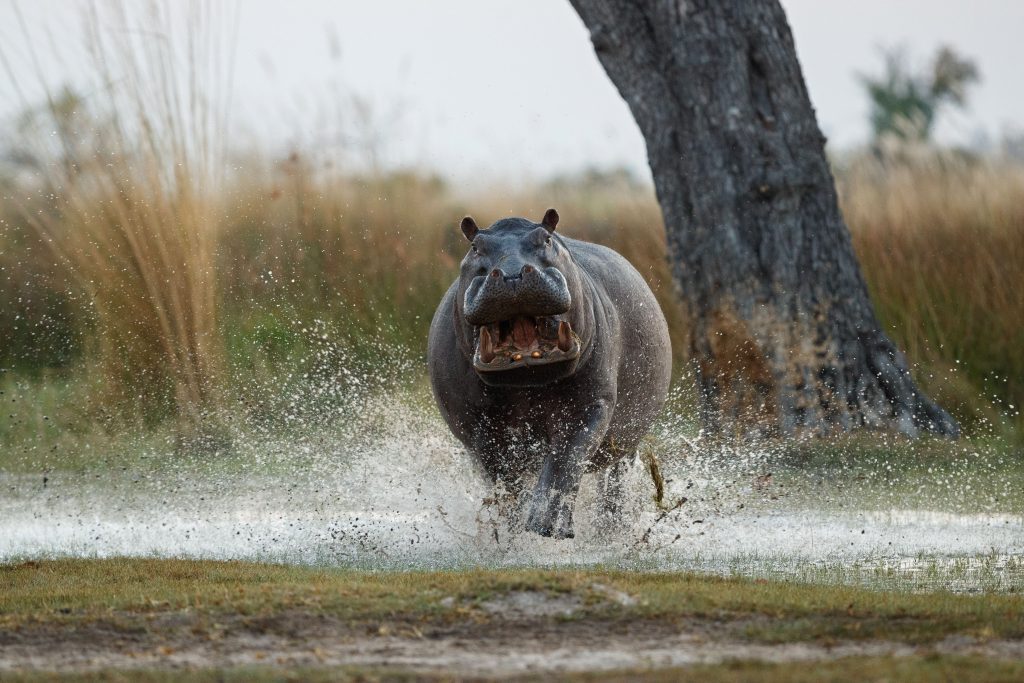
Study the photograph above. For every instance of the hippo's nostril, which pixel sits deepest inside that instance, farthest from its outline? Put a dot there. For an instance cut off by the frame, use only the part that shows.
(527, 269)
(495, 273)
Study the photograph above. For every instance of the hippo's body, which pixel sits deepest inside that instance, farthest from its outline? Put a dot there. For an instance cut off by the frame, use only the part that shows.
(547, 353)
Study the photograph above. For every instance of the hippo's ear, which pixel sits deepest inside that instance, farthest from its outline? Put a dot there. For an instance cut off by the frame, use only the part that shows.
(469, 228)
(550, 220)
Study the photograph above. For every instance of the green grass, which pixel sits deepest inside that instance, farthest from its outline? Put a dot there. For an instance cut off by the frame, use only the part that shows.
(73, 592)
(970, 475)
(164, 604)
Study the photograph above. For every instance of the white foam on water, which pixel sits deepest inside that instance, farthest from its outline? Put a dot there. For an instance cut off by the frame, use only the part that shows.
(392, 489)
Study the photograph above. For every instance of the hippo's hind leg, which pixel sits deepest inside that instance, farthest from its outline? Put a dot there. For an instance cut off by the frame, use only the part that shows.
(504, 461)
(616, 510)
(613, 488)
(633, 470)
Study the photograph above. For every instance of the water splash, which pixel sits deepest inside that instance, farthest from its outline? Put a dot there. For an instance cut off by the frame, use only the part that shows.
(388, 487)
(354, 467)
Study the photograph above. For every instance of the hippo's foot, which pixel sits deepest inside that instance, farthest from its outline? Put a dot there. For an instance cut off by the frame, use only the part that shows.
(499, 515)
(550, 515)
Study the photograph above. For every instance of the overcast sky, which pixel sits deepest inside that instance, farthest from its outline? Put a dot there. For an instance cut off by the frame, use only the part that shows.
(504, 89)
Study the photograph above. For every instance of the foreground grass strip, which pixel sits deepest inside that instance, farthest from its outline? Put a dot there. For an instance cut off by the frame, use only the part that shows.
(124, 593)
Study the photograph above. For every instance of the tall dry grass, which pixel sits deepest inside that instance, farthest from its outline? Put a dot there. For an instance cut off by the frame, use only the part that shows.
(940, 238)
(123, 186)
(381, 250)
(362, 260)
(200, 284)
(300, 248)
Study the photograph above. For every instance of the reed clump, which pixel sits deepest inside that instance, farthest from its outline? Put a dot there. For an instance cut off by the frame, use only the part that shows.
(119, 188)
(374, 254)
(940, 238)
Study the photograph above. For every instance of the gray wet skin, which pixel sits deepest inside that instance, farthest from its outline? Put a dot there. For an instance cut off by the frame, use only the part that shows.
(548, 353)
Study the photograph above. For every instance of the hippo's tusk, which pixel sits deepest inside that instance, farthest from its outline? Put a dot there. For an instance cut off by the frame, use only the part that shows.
(564, 337)
(486, 346)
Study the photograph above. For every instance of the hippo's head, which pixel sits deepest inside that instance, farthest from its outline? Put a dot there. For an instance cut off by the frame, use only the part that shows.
(519, 295)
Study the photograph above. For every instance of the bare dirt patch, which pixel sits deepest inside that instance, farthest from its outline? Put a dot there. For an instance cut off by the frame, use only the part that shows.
(520, 604)
(521, 633)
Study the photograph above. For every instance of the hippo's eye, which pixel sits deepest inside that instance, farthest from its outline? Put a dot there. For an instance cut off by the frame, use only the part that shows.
(473, 245)
(547, 241)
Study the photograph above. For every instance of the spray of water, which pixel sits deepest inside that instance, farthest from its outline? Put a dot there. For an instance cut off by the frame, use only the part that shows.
(365, 474)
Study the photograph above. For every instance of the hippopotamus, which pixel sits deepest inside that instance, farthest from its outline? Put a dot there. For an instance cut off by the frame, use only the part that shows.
(547, 353)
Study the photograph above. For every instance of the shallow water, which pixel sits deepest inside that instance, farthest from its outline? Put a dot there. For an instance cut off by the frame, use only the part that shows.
(394, 490)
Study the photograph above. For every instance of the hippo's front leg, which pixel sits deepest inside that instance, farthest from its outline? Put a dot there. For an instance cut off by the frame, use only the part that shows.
(553, 498)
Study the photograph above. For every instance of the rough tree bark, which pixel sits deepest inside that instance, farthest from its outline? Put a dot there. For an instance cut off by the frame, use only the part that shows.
(783, 334)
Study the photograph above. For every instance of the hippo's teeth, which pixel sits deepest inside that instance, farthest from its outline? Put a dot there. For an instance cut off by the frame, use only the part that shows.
(536, 354)
(486, 346)
(564, 337)
(517, 357)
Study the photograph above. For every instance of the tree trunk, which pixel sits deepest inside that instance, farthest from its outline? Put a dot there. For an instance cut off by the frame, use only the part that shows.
(783, 335)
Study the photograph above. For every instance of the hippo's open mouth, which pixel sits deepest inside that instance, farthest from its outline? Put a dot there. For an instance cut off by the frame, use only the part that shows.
(524, 341)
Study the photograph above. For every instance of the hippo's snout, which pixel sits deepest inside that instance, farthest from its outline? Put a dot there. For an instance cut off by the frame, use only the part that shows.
(504, 293)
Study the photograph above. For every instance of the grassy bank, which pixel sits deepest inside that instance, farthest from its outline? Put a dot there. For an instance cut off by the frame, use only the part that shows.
(70, 593)
(158, 608)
